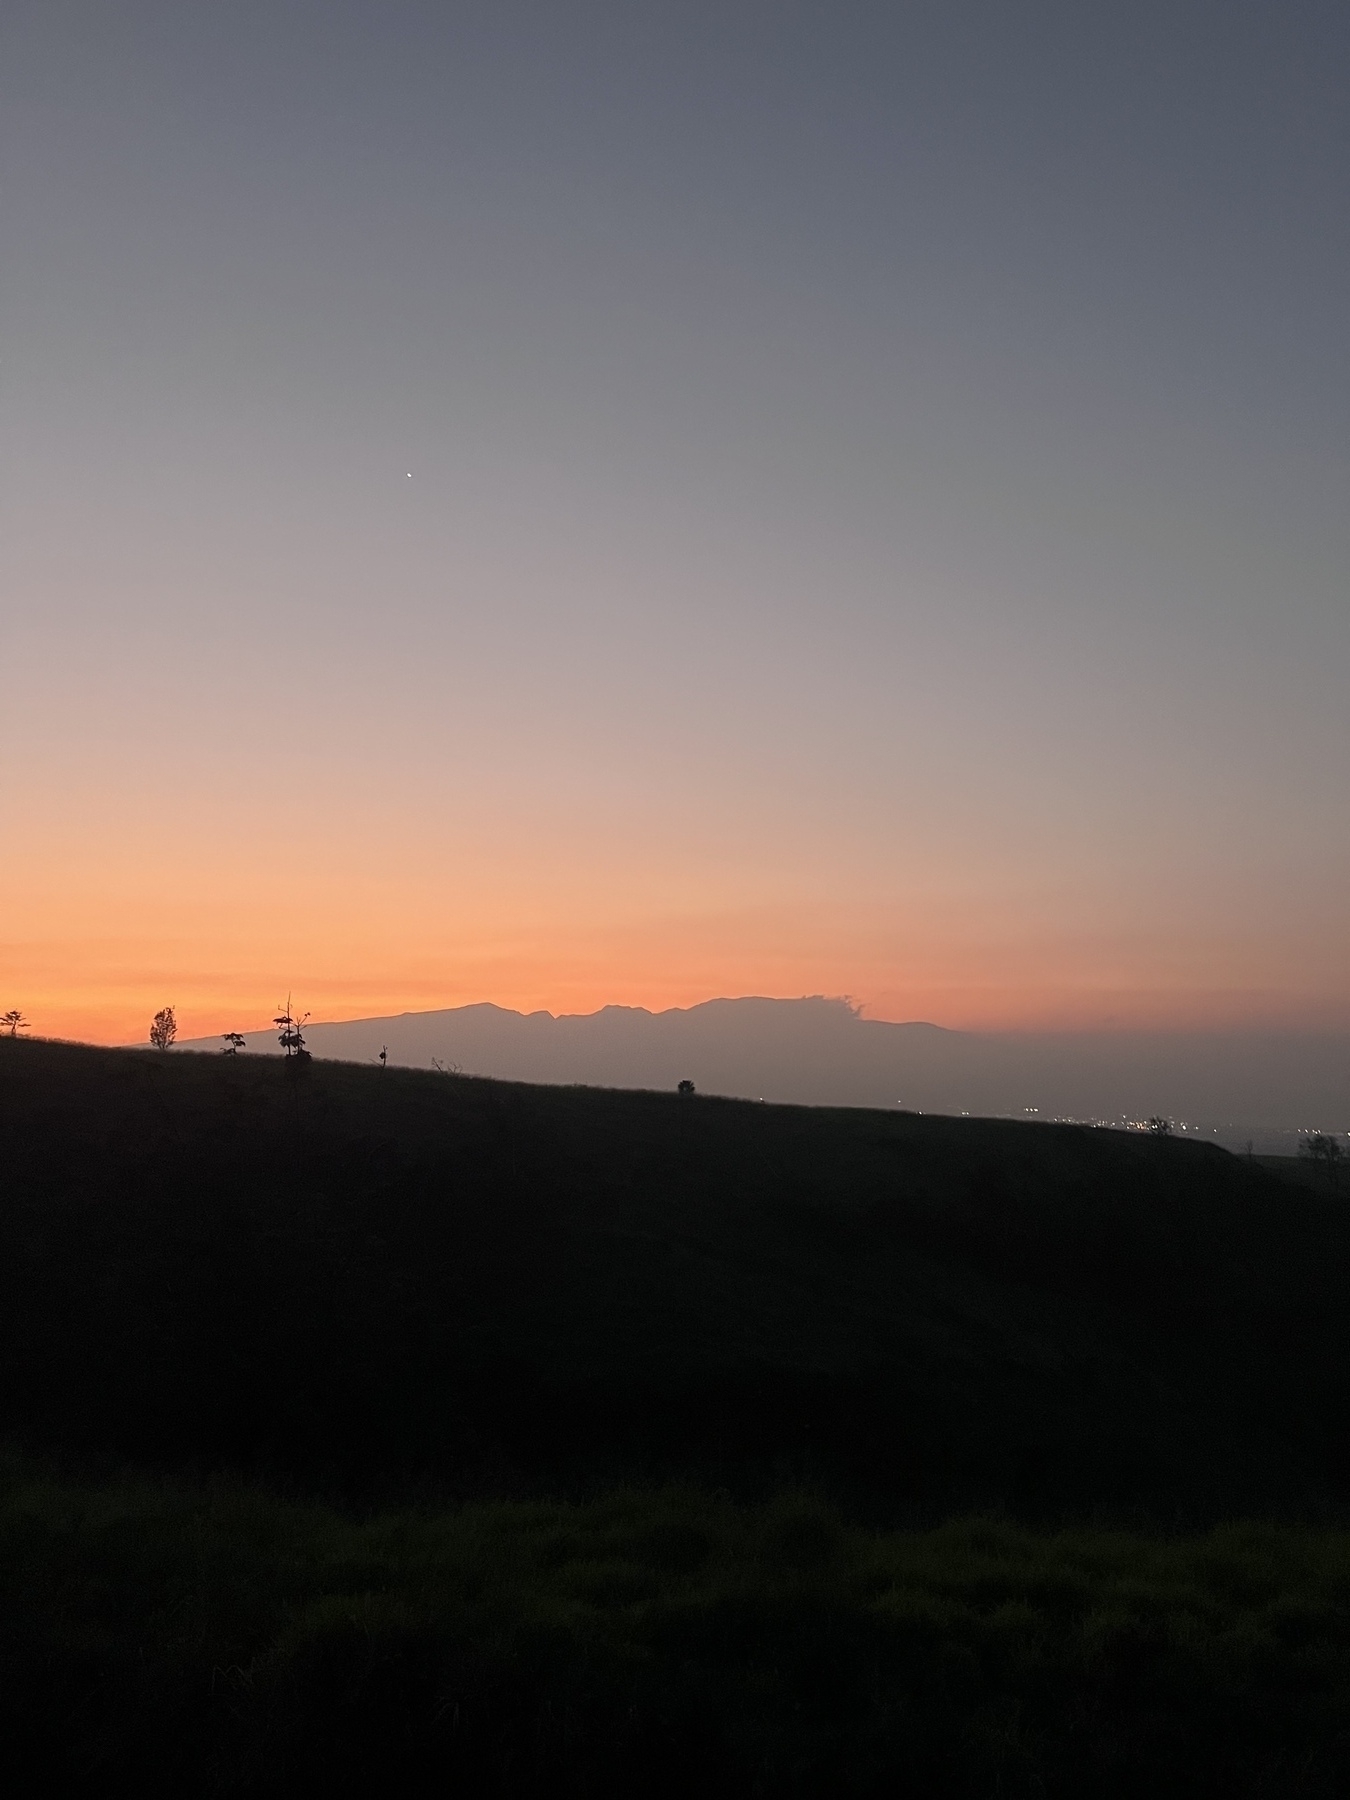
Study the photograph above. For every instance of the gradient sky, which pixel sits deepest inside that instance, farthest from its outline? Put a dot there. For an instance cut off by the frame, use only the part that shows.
(879, 516)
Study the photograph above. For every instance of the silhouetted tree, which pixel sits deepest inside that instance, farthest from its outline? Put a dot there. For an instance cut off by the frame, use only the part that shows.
(1319, 1148)
(686, 1087)
(290, 1033)
(1159, 1126)
(163, 1029)
(13, 1022)
(234, 1043)
(384, 1056)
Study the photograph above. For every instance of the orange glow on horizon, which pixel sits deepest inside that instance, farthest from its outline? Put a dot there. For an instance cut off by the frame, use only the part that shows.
(144, 889)
(105, 990)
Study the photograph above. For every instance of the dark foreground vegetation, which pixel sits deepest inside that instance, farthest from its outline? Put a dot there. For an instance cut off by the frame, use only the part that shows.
(663, 1641)
(524, 1439)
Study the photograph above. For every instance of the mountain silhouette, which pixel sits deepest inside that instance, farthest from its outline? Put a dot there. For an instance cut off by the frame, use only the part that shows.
(821, 1051)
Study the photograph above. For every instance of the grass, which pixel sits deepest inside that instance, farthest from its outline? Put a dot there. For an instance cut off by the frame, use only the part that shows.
(218, 1639)
(377, 1431)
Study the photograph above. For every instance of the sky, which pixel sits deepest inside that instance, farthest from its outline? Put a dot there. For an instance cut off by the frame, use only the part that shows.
(565, 505)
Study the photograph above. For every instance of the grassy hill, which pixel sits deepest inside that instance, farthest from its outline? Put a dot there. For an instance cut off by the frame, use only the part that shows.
(366, 1277)
(617, 1433)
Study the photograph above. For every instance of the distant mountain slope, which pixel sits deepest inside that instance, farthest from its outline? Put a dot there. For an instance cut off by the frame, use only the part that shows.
(812, 1050)
(820, 1051)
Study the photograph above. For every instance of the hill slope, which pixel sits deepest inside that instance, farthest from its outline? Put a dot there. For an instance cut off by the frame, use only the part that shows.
(363, 1278)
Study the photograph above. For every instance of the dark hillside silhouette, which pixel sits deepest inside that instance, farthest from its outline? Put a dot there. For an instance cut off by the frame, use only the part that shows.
(388, 1274)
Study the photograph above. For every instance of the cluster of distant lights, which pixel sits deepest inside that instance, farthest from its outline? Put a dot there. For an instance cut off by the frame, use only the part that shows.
(1125, 1123)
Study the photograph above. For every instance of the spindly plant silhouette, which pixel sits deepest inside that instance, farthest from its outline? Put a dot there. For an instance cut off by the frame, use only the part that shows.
(163, 1028)
(1159, 1126)
(13, 1022)
(234, 1042)
(290, 1032)
(384, 1056)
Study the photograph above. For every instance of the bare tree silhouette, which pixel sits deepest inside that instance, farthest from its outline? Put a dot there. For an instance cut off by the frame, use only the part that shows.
(290, 1032)
(384, 1056)
(234, 1043)
(13, 1022)
(163, 1029)
(1159, 1126)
